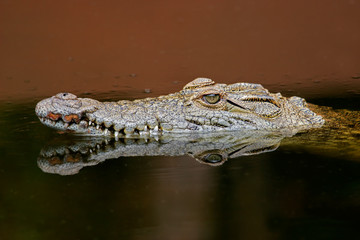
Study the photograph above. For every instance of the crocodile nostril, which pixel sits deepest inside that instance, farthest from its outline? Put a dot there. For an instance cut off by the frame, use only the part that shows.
(65, 96)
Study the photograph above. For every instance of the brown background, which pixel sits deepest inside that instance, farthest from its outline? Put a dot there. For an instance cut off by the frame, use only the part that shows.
(300, 47)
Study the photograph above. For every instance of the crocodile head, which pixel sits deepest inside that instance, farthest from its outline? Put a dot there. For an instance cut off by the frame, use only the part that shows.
(202, 105)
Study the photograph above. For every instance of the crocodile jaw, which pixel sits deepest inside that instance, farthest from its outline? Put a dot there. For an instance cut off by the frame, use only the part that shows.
(85, 116)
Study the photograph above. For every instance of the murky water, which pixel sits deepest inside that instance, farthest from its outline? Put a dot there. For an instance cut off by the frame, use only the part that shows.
(283, 192)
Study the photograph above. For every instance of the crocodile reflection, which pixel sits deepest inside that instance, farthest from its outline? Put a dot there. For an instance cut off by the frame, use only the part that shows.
(67, 157)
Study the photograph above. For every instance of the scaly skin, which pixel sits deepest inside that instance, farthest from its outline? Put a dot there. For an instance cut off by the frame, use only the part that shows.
(202, 106)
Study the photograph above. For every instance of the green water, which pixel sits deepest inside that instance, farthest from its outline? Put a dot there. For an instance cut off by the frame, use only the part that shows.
(289, 193)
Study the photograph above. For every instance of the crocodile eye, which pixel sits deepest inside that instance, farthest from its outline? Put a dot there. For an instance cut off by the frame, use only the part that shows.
(211, 98)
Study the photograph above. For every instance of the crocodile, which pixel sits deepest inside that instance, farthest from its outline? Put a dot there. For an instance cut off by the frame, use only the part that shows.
(201, 106)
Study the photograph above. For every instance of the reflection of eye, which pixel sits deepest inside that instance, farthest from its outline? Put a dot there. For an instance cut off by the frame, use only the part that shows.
(213, 158)
(211, 98)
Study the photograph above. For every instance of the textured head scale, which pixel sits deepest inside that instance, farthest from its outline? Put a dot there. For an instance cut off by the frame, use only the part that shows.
(198, 83)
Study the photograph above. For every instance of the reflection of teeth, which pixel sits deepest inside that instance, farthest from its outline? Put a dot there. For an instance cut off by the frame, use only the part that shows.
(116, 134)
(145, 128)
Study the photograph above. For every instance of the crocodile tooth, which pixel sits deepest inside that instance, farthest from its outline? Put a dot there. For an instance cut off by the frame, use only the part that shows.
(89, 123)
(106, 131)
(146, 128)
(152, 124)
(156, 128)
(97, 126)
(116, 135)
(91, 150)
(66, 125)
(144, 133)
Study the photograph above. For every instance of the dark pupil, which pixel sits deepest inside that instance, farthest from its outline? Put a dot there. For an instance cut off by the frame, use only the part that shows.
(212, 98)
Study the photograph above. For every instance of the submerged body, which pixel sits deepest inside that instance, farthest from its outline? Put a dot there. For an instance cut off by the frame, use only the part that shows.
(202, 106)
